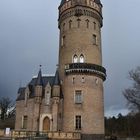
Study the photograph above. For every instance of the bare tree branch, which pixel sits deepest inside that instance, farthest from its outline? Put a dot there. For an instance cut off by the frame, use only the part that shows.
(132, 94)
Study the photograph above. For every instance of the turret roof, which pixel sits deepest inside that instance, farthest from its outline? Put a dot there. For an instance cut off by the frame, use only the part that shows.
(56, 78)
(39, 80)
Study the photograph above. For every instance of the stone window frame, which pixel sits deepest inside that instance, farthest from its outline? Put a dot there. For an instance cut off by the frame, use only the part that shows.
(75, 58)
(78, 22)
(63, 40)
(47, 97)
(78, 122)
(24, 122)
(78, 58)
(78, 99)
(70, 24)
(87, 23)
(81, 58)
(94, 25)
(83, 79)
(94, 39)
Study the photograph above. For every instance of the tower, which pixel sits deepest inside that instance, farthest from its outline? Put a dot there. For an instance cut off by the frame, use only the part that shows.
(80, 67)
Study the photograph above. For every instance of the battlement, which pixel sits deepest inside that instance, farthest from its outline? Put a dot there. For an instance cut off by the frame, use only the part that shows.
(88, 3)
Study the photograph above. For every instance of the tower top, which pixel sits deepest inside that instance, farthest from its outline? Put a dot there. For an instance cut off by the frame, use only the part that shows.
(39, 80)
(63, 1)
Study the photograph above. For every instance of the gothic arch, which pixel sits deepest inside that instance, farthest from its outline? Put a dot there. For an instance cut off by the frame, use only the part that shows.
(82, 59)
(42, 118)
(75, 59)
(46, 124)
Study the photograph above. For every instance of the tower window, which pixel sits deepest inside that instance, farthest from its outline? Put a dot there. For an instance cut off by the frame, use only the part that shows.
(94, 39)
(75, 58)
(78, 22)
(73, 80)
(78, 96)
(78, 122)
(94, 25)
(87, 23)
(83, 80)
(64, 27)
(63, 41)
(24, 122)
(81, 58)
(70, 22)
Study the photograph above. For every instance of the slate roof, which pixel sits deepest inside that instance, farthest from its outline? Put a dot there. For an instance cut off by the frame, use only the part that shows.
(43, 80)
(21, 93)
(39, 80)
(56, 78)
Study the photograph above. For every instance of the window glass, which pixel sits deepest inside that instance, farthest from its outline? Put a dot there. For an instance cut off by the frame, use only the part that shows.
(81, 58)
(75, 59)
(78, 96)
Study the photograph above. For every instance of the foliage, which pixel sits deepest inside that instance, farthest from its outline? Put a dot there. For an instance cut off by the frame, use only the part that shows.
(8, 123)
(123, 126)
(5, 103)
(132, 94)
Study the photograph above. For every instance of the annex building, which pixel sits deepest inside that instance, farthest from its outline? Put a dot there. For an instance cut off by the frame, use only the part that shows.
(71, 101)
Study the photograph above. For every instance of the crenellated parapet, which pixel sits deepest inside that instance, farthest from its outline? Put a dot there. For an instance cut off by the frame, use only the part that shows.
(80, 7)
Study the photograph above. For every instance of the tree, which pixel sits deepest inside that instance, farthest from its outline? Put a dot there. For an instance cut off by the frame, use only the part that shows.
(5, 103)
(132, 94)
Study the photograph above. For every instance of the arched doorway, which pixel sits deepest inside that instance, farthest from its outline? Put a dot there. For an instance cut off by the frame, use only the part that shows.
(46, 124)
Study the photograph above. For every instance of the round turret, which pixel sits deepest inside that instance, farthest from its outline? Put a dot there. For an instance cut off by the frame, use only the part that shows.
(80, 66)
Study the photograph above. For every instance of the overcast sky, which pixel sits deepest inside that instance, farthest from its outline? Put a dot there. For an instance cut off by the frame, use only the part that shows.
(29, 37)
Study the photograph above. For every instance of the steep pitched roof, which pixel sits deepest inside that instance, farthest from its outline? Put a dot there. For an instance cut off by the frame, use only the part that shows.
(56, 78)
(39, 80)
(21, 94)
(44, 81)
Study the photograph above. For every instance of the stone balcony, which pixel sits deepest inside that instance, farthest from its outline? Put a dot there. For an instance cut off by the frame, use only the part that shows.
(85, 68)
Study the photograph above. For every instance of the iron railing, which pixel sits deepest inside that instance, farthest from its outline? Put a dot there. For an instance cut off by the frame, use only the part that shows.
(85, 68)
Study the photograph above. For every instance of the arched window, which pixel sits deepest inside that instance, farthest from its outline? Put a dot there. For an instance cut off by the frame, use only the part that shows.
(78, 22)
(94, 39)
(70, 22)
(63, 27)
(75, 58)
(47, 98)
(81, 58)
(94, 25)
(87, 23)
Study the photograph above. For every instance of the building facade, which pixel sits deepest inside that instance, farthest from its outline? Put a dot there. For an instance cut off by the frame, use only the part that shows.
(72, 100)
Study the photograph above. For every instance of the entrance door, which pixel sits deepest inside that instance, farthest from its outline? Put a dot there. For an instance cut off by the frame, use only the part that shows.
(46, 124)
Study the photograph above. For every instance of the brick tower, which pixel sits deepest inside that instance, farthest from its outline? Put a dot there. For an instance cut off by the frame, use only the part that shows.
(80, 67)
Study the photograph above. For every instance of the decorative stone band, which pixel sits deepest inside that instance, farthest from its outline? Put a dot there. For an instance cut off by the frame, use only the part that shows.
(85, 68)
(79, 11)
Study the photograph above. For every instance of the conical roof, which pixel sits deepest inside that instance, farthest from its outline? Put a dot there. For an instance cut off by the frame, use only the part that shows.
(56, 78)
(39, 80)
